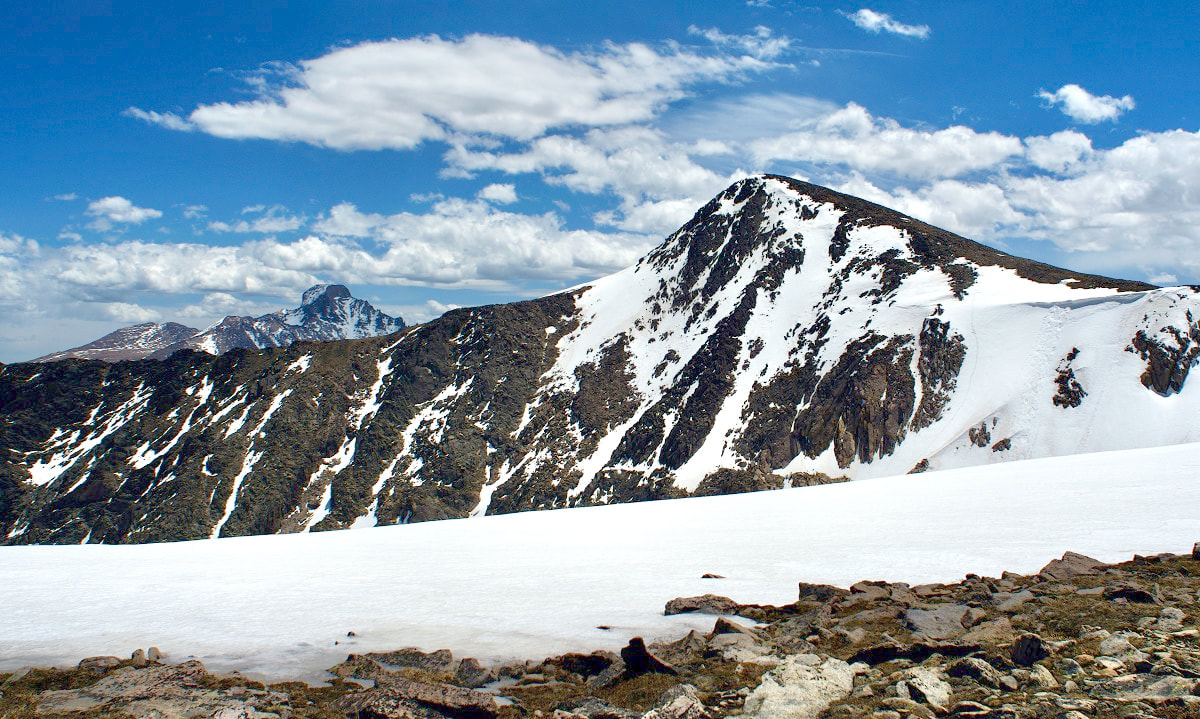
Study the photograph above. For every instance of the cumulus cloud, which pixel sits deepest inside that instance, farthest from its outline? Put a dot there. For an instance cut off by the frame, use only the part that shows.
(877, 22)
(399, 93)
(1059, 151)
(656, 181)
(499, 193)
(127, 312)
(116, 210)
(1082, 106)
(852, 137)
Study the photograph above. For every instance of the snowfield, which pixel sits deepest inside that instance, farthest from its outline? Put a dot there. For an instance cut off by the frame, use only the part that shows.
(535, 584)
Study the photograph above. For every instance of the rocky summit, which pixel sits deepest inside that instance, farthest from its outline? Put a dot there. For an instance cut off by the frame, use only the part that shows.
(1078, 640)
(787, 334)
(326, 312)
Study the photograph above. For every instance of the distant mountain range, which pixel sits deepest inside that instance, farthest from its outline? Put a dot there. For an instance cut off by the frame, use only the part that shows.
(326, 312)
(788, 334)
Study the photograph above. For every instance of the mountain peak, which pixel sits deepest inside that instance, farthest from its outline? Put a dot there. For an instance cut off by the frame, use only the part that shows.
(316, 293)
(772, 213)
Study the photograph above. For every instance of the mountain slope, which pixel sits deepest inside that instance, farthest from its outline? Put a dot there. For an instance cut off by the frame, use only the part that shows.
(128, 343)
(787, 334)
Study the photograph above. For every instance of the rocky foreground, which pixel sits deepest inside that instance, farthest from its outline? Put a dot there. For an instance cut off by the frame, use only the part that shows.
(1079, 639)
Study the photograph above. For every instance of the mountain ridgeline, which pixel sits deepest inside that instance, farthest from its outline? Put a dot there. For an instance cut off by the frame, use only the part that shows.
(326, 312)
(787, 334)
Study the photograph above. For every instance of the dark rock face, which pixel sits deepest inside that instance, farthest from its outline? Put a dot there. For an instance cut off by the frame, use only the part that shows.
(787, 335)
(1070, 392)
(1169, 355)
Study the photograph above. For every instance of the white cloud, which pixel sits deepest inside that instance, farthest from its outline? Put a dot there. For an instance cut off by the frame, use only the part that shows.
(1059, 151)
(110, 211)
(1082, 106)
(67, 197)
(424, 312)
(270, 221)
(168, 120)
(852, 137)
(344, 220)
(215, 306)
(399, 93)
(195, 212)
(882, 22)
(499, 193)
(127, 312)
(655, 180)
(762, 43)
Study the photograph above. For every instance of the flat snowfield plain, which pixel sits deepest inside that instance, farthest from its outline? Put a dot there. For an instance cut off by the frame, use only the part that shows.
(540, 583)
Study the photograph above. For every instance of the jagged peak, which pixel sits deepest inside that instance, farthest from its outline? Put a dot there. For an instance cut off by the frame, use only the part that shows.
(318, 292)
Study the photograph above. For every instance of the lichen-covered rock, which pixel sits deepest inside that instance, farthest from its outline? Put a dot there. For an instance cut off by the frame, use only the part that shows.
(801, 687)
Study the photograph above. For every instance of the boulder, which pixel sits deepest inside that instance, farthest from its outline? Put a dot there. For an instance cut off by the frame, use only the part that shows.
(439, 661)
(99, 665)
(924, 686)
(1145, 687)
(679, 702)
(942, 622)
(585, 665)
(1170, 619)
(801, 687)
(1130, 593)
(471, 674)
(705, 604)
(1028, 649)
(138, 658)
(400, 695)
(1071, 565)
(638, 660)
(1010, 602)
(976, 669)
(820, 593)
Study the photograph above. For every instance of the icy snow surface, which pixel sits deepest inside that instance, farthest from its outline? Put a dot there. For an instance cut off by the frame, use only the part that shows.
(539, 583)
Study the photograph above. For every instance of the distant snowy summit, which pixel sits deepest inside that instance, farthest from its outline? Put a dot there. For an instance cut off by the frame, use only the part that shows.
(128, 343)
(326, 312)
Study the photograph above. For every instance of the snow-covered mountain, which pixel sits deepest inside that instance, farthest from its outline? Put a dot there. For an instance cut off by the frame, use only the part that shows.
(787, 334)
(128, 343)
(326, 312)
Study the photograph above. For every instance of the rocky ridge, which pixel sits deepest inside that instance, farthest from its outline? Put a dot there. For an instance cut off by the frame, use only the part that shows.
(787, 334)
(1078, 639)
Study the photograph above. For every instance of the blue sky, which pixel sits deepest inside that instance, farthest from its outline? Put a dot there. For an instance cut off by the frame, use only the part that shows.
(184, 161)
